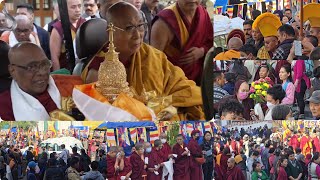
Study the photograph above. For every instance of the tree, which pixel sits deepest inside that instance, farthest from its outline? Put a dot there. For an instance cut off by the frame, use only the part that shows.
(25, 125)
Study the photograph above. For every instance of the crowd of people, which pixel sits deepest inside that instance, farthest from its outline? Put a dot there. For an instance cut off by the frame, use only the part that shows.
(263, 77)
(141, 32)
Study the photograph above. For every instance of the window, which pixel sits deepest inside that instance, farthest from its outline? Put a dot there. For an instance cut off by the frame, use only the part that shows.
(46, 4)
(36, 4)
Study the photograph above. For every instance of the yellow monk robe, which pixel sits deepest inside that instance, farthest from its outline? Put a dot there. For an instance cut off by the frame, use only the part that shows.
(228, 55)
(263, 53)
(151, 70)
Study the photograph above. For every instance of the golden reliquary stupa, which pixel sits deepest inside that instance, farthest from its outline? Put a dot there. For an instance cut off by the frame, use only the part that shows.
(112, 75)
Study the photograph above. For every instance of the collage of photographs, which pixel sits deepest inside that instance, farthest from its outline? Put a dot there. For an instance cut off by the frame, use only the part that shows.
(159, 89)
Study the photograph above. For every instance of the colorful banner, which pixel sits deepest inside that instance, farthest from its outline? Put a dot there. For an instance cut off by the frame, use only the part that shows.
(133, 135)
(230, 11)
(111, 138)
(218, 10)
(154, 134)
(240, 11)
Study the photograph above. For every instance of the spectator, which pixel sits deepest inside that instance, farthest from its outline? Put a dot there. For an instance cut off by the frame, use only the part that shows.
(72, 172)
(85, 159)
(294, 169)
(286, 35)
(274, 97)
(231, 110)
(218, 83)
(281, 112)
(287, 85)
(53, 172)
(314, 102)
(258, 173)
(230, 82)
(94, 173)
(247, 28)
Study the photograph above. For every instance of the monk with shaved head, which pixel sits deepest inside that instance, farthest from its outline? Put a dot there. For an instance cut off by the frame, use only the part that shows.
(166, 150)
(33, 93)
(182, 161)
(234, 44)
(233, 172)
(147, 68)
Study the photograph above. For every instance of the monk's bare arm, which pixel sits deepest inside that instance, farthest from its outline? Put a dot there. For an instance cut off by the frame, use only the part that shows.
(92, 76)
(161, 35)
(55, 48)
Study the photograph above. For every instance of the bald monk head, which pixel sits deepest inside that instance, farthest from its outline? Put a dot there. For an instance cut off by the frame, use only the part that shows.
(231, 162)
(113, 151)
(29, 67)
(235, 43)
(3, 21)
(147, 147)
(129, 31)
(104, 6)
(23, 29)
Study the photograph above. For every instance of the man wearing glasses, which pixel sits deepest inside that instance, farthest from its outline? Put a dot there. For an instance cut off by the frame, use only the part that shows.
(33, 94)
(147, 68)
(91, 9)
(22, 33)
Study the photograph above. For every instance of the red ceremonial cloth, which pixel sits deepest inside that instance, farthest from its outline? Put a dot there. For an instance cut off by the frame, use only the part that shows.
(137, 167)
(196, 152)
(182, 163)
(200, 35)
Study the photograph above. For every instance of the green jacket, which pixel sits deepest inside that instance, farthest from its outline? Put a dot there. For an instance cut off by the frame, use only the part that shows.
(255, 176)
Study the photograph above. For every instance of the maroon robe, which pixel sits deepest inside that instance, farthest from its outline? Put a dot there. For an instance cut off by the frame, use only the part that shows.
(111, 172)
(6, 112)
(182, 163)
(196, 152)
(154, 158)
(224, 163)
(234, 174)
(165, 151)
(127, 168)
(58, 26)
(200, 35)
(137, 167)
(316, 144)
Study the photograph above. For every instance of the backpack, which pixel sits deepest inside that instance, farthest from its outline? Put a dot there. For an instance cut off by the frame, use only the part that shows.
(309, 68)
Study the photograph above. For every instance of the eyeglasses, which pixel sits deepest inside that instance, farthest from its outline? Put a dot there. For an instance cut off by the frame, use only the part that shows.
(131, 29)
(36, 67)
(22, 30)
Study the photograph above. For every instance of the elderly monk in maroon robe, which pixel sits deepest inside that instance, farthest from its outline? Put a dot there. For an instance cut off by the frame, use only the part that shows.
(165, 151)
(155, 163)
(138, 163)
(233, 172)
(125, 167)
(34, 94)
(112, 166)
(181, 166)
(184, 32)
(196, 152)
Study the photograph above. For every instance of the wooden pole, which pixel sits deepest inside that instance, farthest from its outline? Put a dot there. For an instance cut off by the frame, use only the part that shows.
(301, 19)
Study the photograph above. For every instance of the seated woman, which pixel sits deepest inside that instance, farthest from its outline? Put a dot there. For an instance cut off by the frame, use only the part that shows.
(275, 95)
(241, 94)
(287, 85)
(265, 70)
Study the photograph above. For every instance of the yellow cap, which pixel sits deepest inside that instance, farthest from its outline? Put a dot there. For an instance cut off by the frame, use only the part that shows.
(229, 55)
(268, 24)
(311, 12)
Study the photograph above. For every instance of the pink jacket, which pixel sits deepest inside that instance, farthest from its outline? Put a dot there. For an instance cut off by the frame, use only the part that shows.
(289, 99)
(299, 69)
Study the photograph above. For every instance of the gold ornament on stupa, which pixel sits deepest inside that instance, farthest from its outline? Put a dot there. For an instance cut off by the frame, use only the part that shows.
(112, 75)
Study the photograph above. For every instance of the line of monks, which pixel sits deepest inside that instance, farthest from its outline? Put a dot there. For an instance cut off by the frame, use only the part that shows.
(147, 162)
